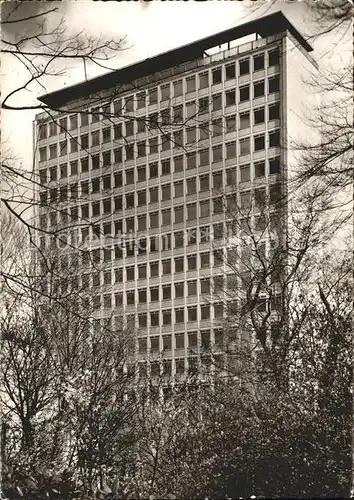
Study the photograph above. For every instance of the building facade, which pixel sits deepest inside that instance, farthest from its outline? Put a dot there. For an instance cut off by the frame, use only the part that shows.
(144, 165)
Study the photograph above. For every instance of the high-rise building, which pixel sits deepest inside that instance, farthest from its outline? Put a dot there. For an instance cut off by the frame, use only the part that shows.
(139, 163)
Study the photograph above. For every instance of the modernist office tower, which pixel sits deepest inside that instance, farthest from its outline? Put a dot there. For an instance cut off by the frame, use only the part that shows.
(138, 163)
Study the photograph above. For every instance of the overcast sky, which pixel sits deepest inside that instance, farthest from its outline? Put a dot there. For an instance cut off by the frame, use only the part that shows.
(149, 29)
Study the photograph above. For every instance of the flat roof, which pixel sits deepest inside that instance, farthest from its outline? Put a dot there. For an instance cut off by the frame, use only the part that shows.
(263, 26)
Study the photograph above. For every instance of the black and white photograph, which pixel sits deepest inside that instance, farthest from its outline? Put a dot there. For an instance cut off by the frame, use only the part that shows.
(177, 250)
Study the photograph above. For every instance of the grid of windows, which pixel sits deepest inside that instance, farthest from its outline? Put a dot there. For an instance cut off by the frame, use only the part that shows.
(174, 187)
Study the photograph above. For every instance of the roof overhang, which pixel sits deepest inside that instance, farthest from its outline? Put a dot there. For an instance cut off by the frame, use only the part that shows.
(264, 26)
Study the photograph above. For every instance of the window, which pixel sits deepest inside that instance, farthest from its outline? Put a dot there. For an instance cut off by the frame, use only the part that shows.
(203, 80)
(141, 124)
(217, 127)
(52, 129)
(258, 116)
(52, 151)
(73, 167)
(107, 206)
(245, 175)
(230, 124)
(217, 180)
(179, 315)
(245, 146)
(192, 262)
(258, 89)
(130, 202)
(141, 173)
(244, 120)
(166, 292)
(244, 67)
(129, 176)
(141, 149)
(191, 135)
(217, 154)
(274, 165)
(244, 93)
(178, 88)
(84, 141)
(43, 154)
(154, 145)
(204, 208)
(154, 220)
(179, 290)
(274, 138)
(230, 71)
(95, 159)
(273, 57)
(216, 73)
(205, 286)
(165, 92)
(205, 312)
(179, 264)
(192, 211)
(259, 142)
(166, 266)
(141, 198)
(154, 341)
(166, 241)
(179, 239)
(192, 313)
(258, 62)
(141, 222)
(142, 271)
(259, 169)
(231, 176)
(165, 192)
(141, 100)
(154, 294)
(178, 163)
(118, 156)
(166, 217)
(204, 131)
(154, 269)
(274, 112)
(130, 273)
(95, 138)
(179, 189)
(106, 134)
(106, 158)
(204, 260)
(217, 102)
(204, 182)
(118, 131)
(166, 167)
(218, 205)
(179, 214)
(190, 84)
(273, 84)
(191, 186)
(154, 195)
(230, 150)
(153, 169)
(192, 339)
(129, 152)
(84, 165)
(153, 96)
(53, 174)
(204, 157)
(230, 98)
(191, 109)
